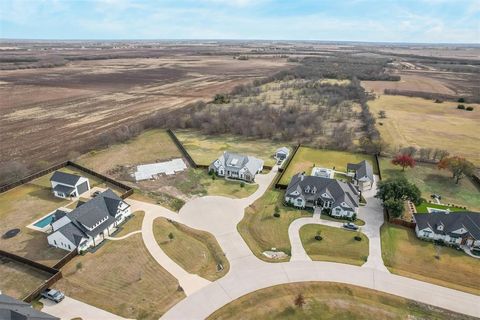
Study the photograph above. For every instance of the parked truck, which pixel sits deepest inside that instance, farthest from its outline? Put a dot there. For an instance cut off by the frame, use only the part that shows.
(54, 295)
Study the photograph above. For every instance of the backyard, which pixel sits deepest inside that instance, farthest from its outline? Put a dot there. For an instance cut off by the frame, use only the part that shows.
(262, 231)
(431, 180)
(328, 300)
(306, 158)
(404, 254)
(195, 251)
(337, 245)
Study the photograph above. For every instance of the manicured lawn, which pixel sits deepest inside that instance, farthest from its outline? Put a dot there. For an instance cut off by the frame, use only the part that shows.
(358, 222)
(194, 250)
(422, 208)
(150, 146)
(23, 205)
(262, 231)
(306, 158)
(134, 223)
(337, 245)
(123, 278)
(327, 300)
(18, 280)
(205, 149)
(406, 255)
(431, 180)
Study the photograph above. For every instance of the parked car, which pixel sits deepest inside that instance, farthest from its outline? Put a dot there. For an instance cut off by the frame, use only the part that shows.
(54, 295)
(350, 226)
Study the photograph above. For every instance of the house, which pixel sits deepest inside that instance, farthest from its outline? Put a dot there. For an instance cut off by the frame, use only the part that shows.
(339, 198)
(13, 309)
(88, 225)
(362, 173)
(457, 229)
(236, 166)
(282, 153)
(67, 185)
(323, 172)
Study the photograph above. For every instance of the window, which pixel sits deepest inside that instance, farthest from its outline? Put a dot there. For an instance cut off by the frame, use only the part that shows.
(69, 247)
(55, 241)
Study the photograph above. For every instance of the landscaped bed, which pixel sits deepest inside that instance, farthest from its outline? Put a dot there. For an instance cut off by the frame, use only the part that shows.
(337, 245)
(262, 231)
(328, 300)
(194, 250)
(404, 254)
(306, 158)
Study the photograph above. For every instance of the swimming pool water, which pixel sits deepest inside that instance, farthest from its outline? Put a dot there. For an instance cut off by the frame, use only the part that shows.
(44, 222)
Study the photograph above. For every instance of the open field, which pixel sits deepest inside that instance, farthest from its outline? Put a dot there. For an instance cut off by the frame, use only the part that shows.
(411, 82)
(18, 279)
(262, 231)
(205, 149)
(327, 300)
(123, 278)
(195, 251)
(337, 245)
(23, 205)
(306, 158)
(423, 123)
(431, 180)
(404, 254)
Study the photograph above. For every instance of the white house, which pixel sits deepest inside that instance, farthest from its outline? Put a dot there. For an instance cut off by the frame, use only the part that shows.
(236, 166)
(362, 173)
(339, 198)
(67, 185)
(282, 153)
(457, 228)
(89, 224)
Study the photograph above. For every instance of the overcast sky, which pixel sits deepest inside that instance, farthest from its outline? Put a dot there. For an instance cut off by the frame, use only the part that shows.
(426, 21)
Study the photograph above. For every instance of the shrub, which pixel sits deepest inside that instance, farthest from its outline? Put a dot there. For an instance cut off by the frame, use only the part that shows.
(326, 211)
(214, 177)
(469, 109)
(171, 236)
(461, 107)
(79, 265)
(318, 238)
(354, 217)
(358, 238)
(242, 184)
(461, 100)
(276, 215)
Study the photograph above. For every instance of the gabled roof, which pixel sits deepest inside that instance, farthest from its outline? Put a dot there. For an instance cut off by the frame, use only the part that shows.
(451, 222)
(234, 161)
(65, 178)
(283, 150)
(362, 169)
(13, 309)
(63, 189)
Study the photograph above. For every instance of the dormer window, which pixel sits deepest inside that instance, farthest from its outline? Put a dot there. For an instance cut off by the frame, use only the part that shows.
(314, 190)
(307, 189)
(440, 227)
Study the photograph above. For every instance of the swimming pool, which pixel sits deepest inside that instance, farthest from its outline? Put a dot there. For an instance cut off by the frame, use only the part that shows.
(44, 222)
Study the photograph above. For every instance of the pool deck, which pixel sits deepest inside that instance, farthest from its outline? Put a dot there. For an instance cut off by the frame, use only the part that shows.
(46, 228)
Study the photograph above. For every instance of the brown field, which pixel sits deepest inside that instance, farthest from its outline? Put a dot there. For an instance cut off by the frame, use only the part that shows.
(411, 82)
(47, 112)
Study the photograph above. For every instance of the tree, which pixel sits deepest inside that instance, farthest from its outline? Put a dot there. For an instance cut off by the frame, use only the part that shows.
(458, 166)
(299, 300)
(171, 236)
(398, 189)
(382, 114)
(376, 146)
(404, 160)
(12, 171)
(395, 207)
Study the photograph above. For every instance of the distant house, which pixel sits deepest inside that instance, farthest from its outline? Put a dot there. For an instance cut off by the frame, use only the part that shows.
(67, 185)
(457, 229)
(282, 153)
(88, 225)
(13, 309)
(236, 166)
(340, 198)
(362, 173)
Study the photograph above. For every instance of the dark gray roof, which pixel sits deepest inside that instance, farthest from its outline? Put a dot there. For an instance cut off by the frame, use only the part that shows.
(13, 309)
(73, 232)
(58, 214)
(451, 222)
(362, 169)
(65, 178)
(63, 189)
(338, 190)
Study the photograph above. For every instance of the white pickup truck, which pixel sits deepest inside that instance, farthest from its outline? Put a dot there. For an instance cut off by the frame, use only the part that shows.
(54, 295)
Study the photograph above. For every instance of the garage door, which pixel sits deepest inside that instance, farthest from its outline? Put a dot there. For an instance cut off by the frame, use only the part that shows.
(82, 188)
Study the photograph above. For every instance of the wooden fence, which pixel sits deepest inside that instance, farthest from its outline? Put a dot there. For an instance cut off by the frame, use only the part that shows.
(182, 149)
(65, 259)
(279, 177)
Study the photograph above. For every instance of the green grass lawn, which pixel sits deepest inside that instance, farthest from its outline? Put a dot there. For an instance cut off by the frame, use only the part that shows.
(306, 158)
(328, 300)
(262, 231)
(404, 254)
(205, 149)
(194, 250)
(431, 180)
(337, 245)
(422, 208)
(358, 222)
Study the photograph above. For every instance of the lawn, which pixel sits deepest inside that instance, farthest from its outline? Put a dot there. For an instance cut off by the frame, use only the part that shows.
(123, 278)
(134, 223)
(337, 245)
(195, 251)
(422, 208)
(404, 254)
(205, 149)
(328, 300)
(18, 280)
(423, 123)
(150, 146)
(23, 205)
(358, 222)
(306, 158)
(431, 180)
(262, 231)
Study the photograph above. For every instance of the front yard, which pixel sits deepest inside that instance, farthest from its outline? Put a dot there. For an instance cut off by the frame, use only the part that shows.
(306, 158)
(404, 254)
(262, 231)
(194, 250)
(337, 245)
